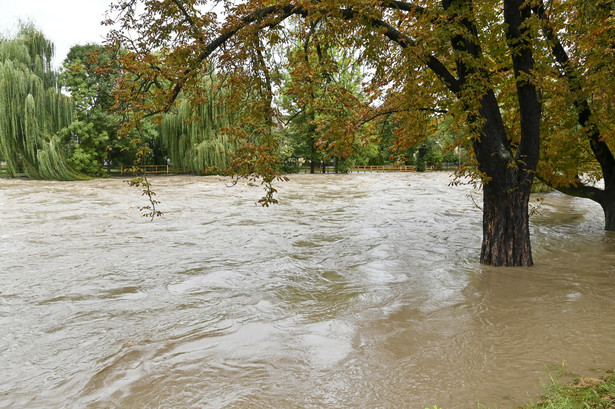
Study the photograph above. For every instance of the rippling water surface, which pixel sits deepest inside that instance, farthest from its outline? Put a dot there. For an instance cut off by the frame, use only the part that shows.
(356, 291)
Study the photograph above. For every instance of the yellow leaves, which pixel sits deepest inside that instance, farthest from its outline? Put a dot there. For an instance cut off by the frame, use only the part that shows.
(172, 48)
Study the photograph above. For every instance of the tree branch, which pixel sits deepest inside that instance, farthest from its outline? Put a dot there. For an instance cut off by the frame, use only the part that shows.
(255, 16)
(403, 6)
(190, 21)
(404, 41)
(516, 14)
(286, 11)
(578, 190)
(389, 112)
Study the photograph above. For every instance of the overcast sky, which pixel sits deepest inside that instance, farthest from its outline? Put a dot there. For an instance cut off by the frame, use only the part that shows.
(64, 22)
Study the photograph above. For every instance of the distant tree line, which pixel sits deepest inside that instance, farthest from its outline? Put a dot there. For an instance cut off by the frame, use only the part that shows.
(62, 124)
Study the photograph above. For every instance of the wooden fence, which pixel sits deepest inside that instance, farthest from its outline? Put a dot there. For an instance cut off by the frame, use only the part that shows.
(378, 168)
(151, 170)
(382, 168)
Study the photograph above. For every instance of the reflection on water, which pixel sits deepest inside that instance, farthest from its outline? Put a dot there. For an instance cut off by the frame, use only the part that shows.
(356, 291)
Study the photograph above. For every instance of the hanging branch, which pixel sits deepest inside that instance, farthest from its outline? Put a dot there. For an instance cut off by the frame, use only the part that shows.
(150, 211)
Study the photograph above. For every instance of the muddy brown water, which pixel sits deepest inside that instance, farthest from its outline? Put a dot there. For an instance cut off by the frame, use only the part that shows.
(356, 291)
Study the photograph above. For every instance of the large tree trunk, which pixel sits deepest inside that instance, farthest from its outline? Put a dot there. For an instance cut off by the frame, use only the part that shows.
(507, 173)
(506, 192)
(606, 198)
(506, 233)
(609, 214)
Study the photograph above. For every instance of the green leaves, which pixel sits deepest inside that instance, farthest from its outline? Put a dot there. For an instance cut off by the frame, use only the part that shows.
(32, 110)
(141, 182)
(194, 134)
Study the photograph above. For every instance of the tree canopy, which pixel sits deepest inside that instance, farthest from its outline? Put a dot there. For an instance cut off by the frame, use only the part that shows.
(474, 61)
(86, 139)
(193, 135)
(578, 89)
(33, 110)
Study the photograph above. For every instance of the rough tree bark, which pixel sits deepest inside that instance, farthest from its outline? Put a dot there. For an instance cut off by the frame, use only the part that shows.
(509, 177)
(506, 194)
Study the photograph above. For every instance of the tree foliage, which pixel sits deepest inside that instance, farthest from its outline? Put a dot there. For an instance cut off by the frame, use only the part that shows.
(577, 82)
(193, 135)
(32, 108)
(323, 101)
(480, 62)
(88, 74)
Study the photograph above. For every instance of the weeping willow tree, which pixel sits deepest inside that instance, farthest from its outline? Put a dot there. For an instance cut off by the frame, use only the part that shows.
(32, 108)
(194, 138)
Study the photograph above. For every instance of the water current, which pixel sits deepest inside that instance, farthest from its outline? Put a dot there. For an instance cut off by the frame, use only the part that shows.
(356, 291)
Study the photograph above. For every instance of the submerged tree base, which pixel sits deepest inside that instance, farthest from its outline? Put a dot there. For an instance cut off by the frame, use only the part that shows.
(506, 232)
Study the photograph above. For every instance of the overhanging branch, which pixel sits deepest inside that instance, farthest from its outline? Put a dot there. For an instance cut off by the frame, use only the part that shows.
(286, 11)
(578, 190)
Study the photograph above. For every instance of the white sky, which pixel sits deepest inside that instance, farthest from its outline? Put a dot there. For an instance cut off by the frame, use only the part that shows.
(64, 22)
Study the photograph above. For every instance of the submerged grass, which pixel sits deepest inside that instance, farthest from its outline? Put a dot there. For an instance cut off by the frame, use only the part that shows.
(583, 393)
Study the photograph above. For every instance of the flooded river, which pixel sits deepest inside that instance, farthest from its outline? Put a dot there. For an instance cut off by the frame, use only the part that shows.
(356, 291)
